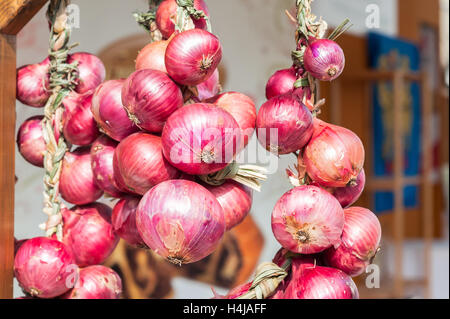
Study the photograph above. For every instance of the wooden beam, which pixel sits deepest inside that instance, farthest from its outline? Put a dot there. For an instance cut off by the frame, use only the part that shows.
(14, 14)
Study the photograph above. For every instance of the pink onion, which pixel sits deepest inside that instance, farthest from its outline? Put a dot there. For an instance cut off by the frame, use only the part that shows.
(30, 141)
(192, 56)
(324, 59)
(200, 139)
(181, 221)
(44, 267)
(139, 161)
(150, 97)
(290, 118)
(349, 194)
(307, 220)
(360, 241)
(281, 82)
(238, 291)
(124, 220)
(91, 71)
(152, 56)
(77, 182)
(32, 83)
(210, 87)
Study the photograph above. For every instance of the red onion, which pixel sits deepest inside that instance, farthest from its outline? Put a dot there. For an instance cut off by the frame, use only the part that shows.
(124, 220)
(210, 87)
(167, 14)
(30, 141)
(91, 71)
(152, 56)
(139, 161)
(334, 156)
(96, 282)
(288, 116)
(150, 97)
(360, 241)
(324, 59)
(349, 194)
(109, 112)
(192, 56)
(18, 244)
(77, 182)
(43, 267)
(200, 139)
(32, 83)
(181, 221)
(88, 232)
(307, 220)
(238, 291)
(281, 82)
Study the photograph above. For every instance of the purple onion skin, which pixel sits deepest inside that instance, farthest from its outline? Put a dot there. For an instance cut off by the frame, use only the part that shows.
(91, 71)
(324, 59)
(349, 194)
(32, 83)
(281, 82)
(30, 141)
(124, 220)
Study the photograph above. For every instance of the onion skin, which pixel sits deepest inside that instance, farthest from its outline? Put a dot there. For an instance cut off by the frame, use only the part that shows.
(124, 220)
(139, 161)
(324, 59)
(349, 194)
(43, 267)
(210, 87)
(200, 139)
(281, 82)
(91, 71)
(30, 141)
(181, 221)
(360, 241)
(291, 118)
(307, 220)
(32, 83)
(192, 56)
(152, 56)
(150, 97)
(235, 293)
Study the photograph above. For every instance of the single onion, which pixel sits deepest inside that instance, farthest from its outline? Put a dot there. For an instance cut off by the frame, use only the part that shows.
(43, 267)
(290, 118)
(88, 232)
(360, 241)
(307, 220)
(324, 59)
(77, 182)
(281, 82)
(18, 244)
(200, 139)
(349, 194)
(124, 220)
(150, 97)
(96, 282)
(30, 141)
(139, 161)
(334, 156)
(210, 87)
(32, 83)
(192, 56)
(109, 112)
(152, 56)
(181, 221)
(91, 71)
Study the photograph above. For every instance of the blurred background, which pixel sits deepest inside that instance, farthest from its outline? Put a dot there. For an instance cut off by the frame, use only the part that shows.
(397, 63)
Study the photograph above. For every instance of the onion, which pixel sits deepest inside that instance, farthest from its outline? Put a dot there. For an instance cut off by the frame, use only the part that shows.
(102, 154)
(360, 241)
(150, 97)
(152, 56)
(166, 15)
(334, 156)
(77, 182)
(210, 87)
(181, 221)
(235, 293)
(290, 118)
(192, 56)
(200, 139)
(324, 59)
(43, 267)
(96, 282)
(109, 112)
(140, 163)
(124, 220)
(281, 82)
(88, 232)
(91, 71)
(32, 83)
(307, 220)
(349, 194)
(30, 141)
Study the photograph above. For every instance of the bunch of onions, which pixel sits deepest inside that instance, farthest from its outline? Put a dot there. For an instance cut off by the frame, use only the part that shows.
(152, 56)
(210, 87)
(307, 220)
(181, 221)
(286, 117)
(124, 220)
(91, 71)
(349, 194)
(77, 181)
(281, 82)
(150, 97)
(139, 163)
(200, 139)
(32, 83)
(30, 141)
(43, 267)
(192, 56)
(360, 241)
(324, 59)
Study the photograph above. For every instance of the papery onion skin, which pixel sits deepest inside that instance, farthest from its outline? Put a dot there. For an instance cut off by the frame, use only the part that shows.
(181, 221)
(281, 82)
(192, 56)
(307, 220)
(91, 71)
(324, 59)
(150, 97)
(44, 267)
(30, 141)
(77, 182)
(210, 87)
(152, 56)
(290, 118)
(124, 220)
(349, 194)
(238, 291)
(32, 83)
(200, 139)
(360, 241)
